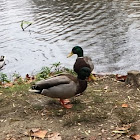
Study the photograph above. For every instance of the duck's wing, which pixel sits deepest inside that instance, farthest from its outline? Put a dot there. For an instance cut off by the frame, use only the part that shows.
(53, 81)
(88, 60)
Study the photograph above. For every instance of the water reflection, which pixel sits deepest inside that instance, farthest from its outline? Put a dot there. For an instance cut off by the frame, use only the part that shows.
(107, 30)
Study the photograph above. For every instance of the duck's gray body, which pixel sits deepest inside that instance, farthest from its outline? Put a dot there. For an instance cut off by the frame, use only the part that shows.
(62, 86)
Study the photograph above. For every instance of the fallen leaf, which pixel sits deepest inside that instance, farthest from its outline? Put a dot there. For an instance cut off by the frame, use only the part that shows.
(124, 127)
(28, 77)
(135, 137)
(36, 132)
(6, 85)
(121, 78)
(92, 138)
(54, 136)
(39, 134)
(124, 105)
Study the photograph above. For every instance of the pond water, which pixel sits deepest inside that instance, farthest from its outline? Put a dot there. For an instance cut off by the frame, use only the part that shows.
(107, 30)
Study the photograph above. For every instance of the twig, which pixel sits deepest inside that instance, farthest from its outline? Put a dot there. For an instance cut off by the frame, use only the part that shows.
(23, 28)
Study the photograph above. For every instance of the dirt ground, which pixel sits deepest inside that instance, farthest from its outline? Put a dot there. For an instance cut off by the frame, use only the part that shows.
(107, 110)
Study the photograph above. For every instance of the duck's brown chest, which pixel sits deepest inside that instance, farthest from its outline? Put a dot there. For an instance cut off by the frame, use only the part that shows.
(80, 63)
(82, 85)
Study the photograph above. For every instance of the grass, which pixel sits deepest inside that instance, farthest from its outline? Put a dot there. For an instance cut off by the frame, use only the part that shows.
(87, 116)
(127, 115)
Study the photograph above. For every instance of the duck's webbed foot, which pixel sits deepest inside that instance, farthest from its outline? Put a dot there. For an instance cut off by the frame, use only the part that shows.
(66, 103)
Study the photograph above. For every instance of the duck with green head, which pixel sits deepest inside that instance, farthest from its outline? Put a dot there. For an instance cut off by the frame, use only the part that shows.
(63, 86)
(81, 61)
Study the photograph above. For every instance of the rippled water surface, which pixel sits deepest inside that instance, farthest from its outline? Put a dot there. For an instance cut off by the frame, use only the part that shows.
(108, 31)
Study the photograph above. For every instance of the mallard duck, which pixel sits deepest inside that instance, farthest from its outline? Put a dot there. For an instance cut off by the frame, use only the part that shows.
(63, 86)
(81, 61)
(2, 62)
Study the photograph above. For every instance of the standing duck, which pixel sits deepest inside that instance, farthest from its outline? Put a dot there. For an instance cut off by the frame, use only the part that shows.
(63, 86)
(81, 61)
(2, 62)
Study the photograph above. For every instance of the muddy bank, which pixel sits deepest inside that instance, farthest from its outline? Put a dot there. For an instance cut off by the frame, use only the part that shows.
(105, 106)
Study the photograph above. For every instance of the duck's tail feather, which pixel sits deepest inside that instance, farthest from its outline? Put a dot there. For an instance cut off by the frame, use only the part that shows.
(35, 89)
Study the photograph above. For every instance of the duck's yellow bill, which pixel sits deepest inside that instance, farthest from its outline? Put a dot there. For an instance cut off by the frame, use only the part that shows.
(70, 54)
(91, 77)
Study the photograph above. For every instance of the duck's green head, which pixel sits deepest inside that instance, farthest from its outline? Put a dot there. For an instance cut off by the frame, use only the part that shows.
(76, 50)
(84, 73)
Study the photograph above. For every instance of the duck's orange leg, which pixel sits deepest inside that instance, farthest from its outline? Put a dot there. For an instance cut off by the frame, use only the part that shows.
(66, 103)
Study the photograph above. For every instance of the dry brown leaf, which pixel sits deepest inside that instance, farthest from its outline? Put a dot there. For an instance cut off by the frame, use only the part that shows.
(93, 138)
(124, 105)
(28, 77)
(35, 130)
(8, 85)
(38, 133)
(124, 127)
(54, 136)
(121, 77)
(135, 137)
